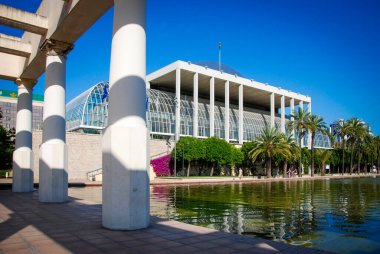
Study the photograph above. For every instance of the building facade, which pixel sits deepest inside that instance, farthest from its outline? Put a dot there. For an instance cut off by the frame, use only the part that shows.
(211, 103)
(8, 107)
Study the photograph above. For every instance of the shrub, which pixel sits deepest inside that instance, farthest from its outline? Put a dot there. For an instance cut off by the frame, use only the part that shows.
(161, 166)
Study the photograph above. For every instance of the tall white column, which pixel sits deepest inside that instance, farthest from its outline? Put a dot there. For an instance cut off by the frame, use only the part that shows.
(241, 114)
(272, 125)
(212, 107)
(125, 139)
(292, 112)
(283, 114)
(300, 105)
(53, 151)
(227, 111)
(177, 104)
(23, 154)
(309, 134)
(195, 109)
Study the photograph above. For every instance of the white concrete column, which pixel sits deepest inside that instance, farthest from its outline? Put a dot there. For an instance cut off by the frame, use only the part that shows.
(212, 107)
(195, 102)
(177, 104)
(125, 139)
(23, 154)
(241, 114)
(272, 125)
(227, 111)
(283, 114)
(292, 112)
(308, 133)
(53, 151)
(300, 105)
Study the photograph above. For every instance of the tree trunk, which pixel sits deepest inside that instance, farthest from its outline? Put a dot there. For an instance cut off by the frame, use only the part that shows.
(323, 172)
(343, 159)
(212, 170)
(285, 167)
(360, 158)
(188, 169)
(365, 168)
(312, 154)
(300, 161)
(269, 168)
(352, 159)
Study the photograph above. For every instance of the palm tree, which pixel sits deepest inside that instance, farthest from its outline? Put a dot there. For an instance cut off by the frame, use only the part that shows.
(342, 132)
(269, 144)
(298, 125)
(314, 124)
(356, 132)
(324, 156)
(289, 139)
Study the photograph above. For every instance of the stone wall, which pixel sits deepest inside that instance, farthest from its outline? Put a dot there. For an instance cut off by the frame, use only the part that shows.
(85, 153)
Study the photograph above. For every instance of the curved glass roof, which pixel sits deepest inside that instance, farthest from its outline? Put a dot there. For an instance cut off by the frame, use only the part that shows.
(89, 113)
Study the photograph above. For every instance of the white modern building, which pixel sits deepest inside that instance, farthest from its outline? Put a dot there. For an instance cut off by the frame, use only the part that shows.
(213, 103)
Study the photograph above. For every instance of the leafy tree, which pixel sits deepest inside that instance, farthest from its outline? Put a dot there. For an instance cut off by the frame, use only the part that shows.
(237, 157)
(246, 148)
(306, 159)
(294, 151)
(190, 149)
(218, 152)
(314, 124)
(324, 155)
(299, 125)
(7, 146)
(356, 133)
(269, 143)
(342, 133)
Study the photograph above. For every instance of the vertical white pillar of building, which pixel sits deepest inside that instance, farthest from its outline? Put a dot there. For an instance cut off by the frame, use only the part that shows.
(23, 154)
(195, 102)
(125, 139)
(309, 134)
(292, 112)
(227, 111)
(283, 114)
(272, 125)
(177, 104)
(300, 105)
(241, 114)
(212, 107)
(53, 174)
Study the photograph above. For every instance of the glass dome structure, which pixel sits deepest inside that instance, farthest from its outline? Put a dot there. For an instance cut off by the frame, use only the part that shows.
(88, 113)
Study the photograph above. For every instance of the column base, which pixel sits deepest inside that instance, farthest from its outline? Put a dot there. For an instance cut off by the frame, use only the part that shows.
(125, 178)
(23, 170)
(53, 177)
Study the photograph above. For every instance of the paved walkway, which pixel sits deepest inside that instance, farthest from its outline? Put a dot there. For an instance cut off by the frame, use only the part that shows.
(28, 226)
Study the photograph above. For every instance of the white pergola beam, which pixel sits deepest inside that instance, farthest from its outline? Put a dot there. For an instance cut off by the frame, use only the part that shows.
(14, 46)
(11, 66)
(23, 20)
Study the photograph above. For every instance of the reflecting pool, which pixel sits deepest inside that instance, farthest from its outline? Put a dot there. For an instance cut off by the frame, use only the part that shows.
(337, 215)
(340, 215)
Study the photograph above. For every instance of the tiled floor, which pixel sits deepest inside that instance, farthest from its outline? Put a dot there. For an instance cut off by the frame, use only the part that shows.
(28, 226)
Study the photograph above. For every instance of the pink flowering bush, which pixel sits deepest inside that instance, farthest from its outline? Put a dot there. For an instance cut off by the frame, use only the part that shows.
(161, 166)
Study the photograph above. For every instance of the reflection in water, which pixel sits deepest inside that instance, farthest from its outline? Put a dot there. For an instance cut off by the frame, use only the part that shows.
(340, 215)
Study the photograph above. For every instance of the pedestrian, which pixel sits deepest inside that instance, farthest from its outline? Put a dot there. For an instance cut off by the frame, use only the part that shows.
(240, 173)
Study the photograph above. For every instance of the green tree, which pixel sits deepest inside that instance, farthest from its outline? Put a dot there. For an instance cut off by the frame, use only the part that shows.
(342, 133)
(324, 156)
(269, 143)
(356, 133)
(7, 146)
(237, 157)
(306, 159)
(294, 151)
(314, 124)
(190, 149)
(218, 152)
(299, 125)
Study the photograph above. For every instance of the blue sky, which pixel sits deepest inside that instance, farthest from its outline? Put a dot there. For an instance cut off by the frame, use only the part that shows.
(327, 49)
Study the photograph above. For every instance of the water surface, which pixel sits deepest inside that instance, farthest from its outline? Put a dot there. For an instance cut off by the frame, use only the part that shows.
(338, 215)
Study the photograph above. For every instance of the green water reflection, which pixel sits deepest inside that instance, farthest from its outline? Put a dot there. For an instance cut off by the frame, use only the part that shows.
(340, 215)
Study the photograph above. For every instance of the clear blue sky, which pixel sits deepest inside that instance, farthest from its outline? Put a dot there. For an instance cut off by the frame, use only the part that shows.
(327, 49)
